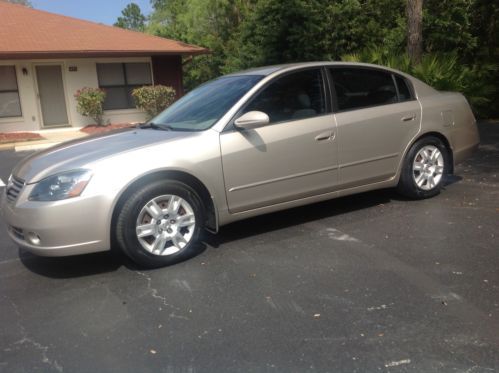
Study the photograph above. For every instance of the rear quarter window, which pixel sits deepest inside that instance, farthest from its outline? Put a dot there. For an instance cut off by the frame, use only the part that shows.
(403, 87)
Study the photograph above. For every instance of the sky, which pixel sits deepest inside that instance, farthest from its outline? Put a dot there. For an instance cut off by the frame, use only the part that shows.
(102, 11)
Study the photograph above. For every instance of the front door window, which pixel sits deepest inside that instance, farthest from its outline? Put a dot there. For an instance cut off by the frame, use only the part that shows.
(295, 96)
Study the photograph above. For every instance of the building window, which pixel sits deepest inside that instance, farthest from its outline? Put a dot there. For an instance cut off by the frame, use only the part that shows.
(119, 80)
(10, 104)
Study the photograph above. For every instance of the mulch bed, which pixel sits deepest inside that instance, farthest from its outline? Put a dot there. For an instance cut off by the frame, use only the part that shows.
(10, 137)
(93, 128)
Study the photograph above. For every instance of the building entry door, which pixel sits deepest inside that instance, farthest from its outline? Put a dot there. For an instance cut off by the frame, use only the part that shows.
(51, 95)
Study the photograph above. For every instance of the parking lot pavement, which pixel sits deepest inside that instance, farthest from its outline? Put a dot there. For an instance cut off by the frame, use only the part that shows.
(367, 283)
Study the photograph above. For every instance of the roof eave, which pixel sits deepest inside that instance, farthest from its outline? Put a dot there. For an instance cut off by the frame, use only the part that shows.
(27, 55)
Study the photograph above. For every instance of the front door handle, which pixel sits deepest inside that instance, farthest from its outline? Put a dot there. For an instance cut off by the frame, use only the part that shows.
(323, 136)
(409, 118)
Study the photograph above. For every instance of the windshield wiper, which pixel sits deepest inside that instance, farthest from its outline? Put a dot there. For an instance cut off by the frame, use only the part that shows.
(154, 126)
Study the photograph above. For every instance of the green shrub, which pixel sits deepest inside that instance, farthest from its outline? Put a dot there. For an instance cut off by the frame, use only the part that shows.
(444, 72)
(89, 103)
(153, 99)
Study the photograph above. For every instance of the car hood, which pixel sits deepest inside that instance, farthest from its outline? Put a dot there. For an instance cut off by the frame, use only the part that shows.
(79, 153)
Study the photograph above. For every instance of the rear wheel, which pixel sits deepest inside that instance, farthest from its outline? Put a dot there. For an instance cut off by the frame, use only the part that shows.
(160, 224)
(424, 169)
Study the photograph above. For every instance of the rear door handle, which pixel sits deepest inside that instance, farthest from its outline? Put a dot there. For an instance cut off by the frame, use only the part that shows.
(409, 118)
(323, 136)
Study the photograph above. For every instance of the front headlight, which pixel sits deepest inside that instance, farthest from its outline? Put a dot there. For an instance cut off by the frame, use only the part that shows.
(61, 186)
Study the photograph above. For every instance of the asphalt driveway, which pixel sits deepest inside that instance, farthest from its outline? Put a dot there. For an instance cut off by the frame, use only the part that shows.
(367, 283)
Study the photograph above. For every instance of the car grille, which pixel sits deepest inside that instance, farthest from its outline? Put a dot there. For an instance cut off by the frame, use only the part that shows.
(14, 187)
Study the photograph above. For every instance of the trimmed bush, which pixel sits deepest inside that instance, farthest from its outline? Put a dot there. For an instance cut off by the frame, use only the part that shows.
(90, 101)
(153, 99)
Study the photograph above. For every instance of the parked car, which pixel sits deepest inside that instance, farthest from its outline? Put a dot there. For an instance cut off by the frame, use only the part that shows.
(242, 145)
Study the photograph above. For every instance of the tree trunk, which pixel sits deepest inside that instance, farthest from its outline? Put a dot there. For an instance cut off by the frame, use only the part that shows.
(415, 30)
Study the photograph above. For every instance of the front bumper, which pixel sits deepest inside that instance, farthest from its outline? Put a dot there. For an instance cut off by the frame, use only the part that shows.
(69, 227)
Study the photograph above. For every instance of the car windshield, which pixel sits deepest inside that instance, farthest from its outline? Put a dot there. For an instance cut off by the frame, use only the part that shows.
(205, 105)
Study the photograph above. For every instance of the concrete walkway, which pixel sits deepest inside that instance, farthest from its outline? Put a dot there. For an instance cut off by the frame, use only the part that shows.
(50, 138)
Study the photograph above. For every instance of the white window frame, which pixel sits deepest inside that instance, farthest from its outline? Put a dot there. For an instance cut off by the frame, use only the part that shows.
(2, 117)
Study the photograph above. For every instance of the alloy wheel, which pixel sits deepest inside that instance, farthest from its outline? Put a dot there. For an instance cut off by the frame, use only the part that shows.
(165, 225)
(428, 167)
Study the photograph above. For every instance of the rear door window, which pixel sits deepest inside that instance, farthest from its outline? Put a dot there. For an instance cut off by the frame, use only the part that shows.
(360, 88)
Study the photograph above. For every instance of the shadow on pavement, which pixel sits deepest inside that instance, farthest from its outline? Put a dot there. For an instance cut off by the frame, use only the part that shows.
(72, 266)
(452, 179)
(300, 215)
(84, 265)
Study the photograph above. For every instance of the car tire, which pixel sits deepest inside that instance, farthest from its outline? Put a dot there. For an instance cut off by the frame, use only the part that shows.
(424, 169)
(160, 224)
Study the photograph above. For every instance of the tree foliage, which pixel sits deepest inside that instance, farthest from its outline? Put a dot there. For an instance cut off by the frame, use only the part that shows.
(21, 2)
(248, 33)
(485, 27)
(447, 26)
(210, 23)
(270, 34)
(131, 18)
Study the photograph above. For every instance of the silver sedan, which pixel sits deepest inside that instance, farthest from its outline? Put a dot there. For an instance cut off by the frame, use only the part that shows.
(242, 145)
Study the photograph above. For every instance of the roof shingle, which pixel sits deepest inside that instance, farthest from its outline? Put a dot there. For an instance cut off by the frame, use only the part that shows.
(30, 33)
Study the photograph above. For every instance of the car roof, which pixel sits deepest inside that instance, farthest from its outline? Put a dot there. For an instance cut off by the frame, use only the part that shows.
(267, 70)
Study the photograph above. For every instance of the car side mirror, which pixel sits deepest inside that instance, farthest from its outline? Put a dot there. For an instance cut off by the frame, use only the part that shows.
(252, 119)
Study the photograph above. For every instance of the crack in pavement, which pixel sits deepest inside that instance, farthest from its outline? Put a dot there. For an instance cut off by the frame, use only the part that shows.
(155, 294)
(43, 349)
(37, 345)
(154, 291)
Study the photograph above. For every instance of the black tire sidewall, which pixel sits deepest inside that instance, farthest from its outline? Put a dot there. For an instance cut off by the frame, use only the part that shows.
(127, 218)
(407, 185)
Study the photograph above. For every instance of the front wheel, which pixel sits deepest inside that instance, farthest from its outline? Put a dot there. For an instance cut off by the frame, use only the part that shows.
(424, 169)
(160, 224)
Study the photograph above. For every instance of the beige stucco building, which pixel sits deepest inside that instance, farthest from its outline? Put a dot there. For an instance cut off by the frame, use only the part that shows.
(46, 58)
